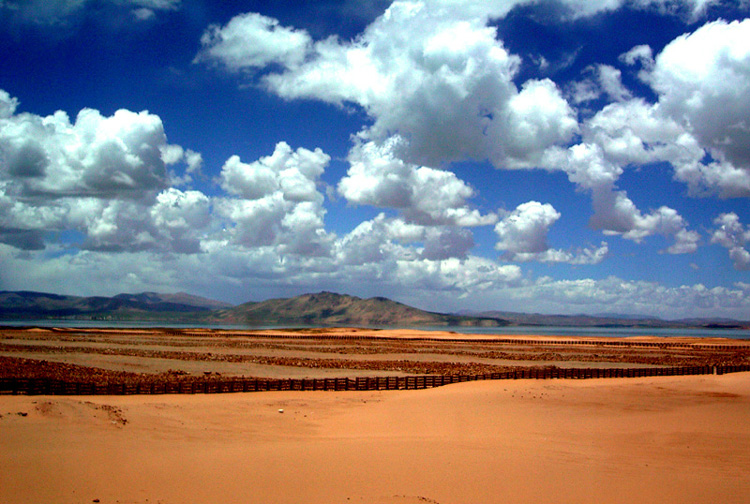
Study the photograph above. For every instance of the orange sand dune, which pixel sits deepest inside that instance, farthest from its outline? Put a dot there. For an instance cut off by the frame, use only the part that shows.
(676, 439)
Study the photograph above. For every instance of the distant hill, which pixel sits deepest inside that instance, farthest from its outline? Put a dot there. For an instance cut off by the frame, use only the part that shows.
(331, 309)
(147, 305)
(607, 320)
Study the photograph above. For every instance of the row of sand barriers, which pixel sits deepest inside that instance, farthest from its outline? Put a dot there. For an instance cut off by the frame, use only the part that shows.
(44, 386)
(502, 341)
(602, 342)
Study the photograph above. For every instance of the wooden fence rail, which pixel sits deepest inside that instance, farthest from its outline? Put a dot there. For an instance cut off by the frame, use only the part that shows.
(45, 386)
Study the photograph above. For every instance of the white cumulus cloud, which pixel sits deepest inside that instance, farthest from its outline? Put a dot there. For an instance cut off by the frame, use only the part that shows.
(703, 82)
(95, 155)
(104, 177)
(276, 201)
(731, 234)
(252, 41)
(525, 229)
(434, 74)
(378, 177)
(522, 235)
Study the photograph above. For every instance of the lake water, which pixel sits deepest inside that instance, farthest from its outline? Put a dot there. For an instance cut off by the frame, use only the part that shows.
(614, 332)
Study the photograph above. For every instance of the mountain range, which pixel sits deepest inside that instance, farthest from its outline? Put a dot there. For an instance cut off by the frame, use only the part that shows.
(26, 304)
(318, 309)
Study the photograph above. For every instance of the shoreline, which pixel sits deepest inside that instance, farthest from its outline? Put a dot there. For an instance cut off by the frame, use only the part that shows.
(739, 332)
(385, 334)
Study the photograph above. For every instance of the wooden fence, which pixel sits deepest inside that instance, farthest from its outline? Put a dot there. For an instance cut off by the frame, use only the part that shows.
(44, 386)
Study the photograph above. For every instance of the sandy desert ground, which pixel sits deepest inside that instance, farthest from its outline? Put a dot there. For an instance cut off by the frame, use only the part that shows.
(669, 439)
(663, 439)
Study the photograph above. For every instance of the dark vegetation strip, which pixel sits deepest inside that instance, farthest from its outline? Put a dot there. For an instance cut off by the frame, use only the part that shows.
(717, 355)
(48, 386)
(405, 366)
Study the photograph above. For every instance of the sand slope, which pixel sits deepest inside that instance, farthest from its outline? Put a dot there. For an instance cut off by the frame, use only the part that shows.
(681, 439)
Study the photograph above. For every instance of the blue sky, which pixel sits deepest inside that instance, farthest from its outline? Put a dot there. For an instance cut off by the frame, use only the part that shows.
(551, 156)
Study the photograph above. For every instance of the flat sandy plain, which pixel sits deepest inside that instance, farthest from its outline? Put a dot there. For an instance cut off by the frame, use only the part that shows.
(662, 439)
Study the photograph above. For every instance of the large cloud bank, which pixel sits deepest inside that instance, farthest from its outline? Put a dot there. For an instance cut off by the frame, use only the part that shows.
(438, 86)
